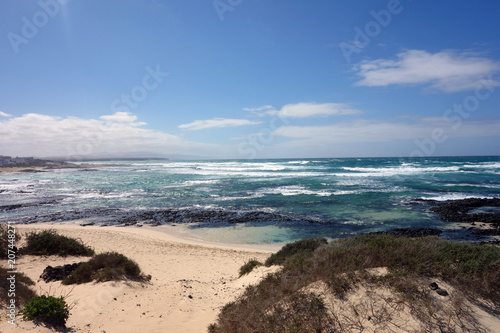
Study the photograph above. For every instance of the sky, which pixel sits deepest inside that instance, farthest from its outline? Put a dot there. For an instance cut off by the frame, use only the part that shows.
(249, 79)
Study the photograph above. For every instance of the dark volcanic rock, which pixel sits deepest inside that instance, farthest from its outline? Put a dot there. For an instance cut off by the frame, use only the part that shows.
(458, 210)
(31, 171)
(58, 273)
(17, 206)
(495, 231)
(11, 207)
(409, 232)
(442, 292)
(178, 215)
(214, 215)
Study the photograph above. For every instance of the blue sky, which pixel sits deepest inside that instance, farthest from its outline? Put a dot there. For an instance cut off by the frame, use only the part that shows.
(250, 79)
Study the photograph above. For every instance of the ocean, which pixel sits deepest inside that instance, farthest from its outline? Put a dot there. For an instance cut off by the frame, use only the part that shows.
(252, 201)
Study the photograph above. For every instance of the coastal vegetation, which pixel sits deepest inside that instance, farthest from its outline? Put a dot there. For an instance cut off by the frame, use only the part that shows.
(54, 310)
(249, 266)
(49, 242)
(300, 248)
(107, 266)
(47, 309)
(306, 295)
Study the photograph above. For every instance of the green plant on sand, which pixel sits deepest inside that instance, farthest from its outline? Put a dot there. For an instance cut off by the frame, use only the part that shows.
(249, 266)
(49, 242)
(47, 309)
(107, 267)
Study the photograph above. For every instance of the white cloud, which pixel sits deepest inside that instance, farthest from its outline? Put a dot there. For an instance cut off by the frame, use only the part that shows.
(445, 71)
(386, 131)
(42, 135)
(305, 110)
(259, 109)
(3, 114)
(217, 123)
(121, 117)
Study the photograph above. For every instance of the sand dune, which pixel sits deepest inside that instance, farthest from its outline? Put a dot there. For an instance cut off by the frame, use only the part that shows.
(190, 282)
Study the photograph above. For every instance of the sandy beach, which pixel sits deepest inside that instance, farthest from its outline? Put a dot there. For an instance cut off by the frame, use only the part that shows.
(190, 282)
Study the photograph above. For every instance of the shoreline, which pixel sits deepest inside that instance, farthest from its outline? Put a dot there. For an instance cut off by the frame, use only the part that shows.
(43, 168)
(191, 281)
(175, 234)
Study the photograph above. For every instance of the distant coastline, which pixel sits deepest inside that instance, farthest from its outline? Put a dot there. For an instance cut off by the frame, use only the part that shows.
(10, 164)
(16, 164)
(41, 168)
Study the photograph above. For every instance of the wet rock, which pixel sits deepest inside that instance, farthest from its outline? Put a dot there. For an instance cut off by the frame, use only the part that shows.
(31, 170)
(460, 210)
(87, 224)
(34, 204)
(11, 207)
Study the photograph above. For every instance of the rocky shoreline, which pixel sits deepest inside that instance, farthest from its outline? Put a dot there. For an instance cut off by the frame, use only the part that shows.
(49, 166)
(462, 210)
(155, 217)
(479, 217)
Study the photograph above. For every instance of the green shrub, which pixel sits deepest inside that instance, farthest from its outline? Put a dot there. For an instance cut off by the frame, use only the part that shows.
(46, 309)
(249, 266)
(48, 242)
(109, 266)
(304, 246)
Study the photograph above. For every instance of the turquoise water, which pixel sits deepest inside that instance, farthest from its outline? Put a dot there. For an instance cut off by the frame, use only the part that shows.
(342, 196)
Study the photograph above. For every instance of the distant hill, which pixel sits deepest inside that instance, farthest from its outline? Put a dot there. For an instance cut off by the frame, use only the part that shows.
(128, 156)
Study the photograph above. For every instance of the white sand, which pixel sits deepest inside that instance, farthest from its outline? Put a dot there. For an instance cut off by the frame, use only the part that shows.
(180, 268)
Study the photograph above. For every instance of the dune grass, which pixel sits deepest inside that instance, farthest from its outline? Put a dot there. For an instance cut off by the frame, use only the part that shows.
(279, 304)
(109, 266)
(249, 266)
(49, 242)
(299, 248)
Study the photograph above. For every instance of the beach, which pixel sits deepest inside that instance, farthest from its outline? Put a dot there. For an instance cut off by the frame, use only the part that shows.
(191, 281)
